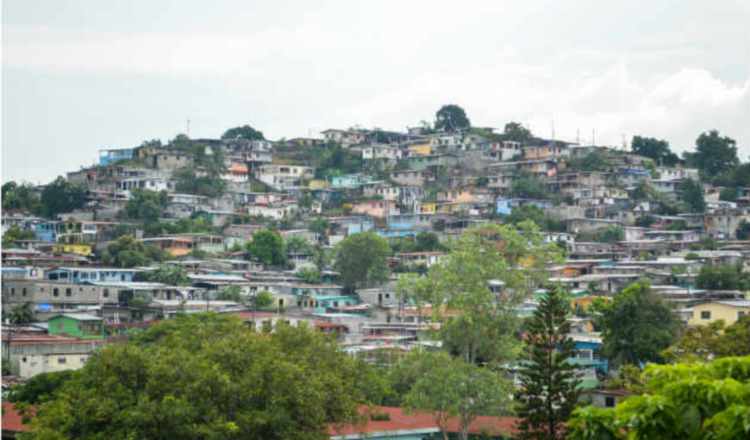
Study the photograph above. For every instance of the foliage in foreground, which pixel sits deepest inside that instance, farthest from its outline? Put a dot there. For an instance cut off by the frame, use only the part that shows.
(207, 376)
(690, 401)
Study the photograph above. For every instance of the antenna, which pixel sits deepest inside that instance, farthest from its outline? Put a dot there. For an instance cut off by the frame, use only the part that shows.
(187, 128)
(578, 136)
(593, 136)
(553, 129)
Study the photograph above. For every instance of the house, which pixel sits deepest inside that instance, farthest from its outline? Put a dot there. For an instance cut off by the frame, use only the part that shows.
(90, 274)
(349, 181)
(384, 152)
(425, 259)
(344, 137)
(110, 156)
(375, 208)
(237, 172)
(78, 325)
(411, 177)
(28, 354)
(727, 311)
(604, 398)
(179, 245)
(276, 211)
(284, 177)
(504, 151)
(550, 151)
(13, 422)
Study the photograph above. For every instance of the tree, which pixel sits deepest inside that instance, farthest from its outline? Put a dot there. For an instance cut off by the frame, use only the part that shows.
(691, 401)
(722, 277)
(528, 186)
(475, 289)
(262, 300)
(705, 342)
(188, 181)
(453, 388)
(268, 247)
(743, 230)
(168, 274)
(637, 326)
(39, 388)
(21, 197)
(548, 391)
(298, 245)
(230, 293)
(21, 314)
(451, 118)
(309, 275)
(537, 215)
(127, 251)
(320, 226)
(243, 132)
(361, 260)
(426, 242)
(146, 205)
(14, 234)
(208, 376)
(594, 161)
(691, 193)
(656, 149)
(61, 196)
(714, 155)
(515, 131)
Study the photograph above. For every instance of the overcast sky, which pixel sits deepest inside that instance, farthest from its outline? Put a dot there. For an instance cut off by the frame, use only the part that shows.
(82, 75)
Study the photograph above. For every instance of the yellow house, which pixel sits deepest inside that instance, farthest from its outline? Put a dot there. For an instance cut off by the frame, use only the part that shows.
(317, 184)
(75, 248)
(728, 311)
(420, 149)
(428, 208)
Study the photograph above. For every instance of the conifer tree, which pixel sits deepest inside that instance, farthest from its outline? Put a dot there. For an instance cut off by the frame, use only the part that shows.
(548, 391)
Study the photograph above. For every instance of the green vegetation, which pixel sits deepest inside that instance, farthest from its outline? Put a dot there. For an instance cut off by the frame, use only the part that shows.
(423, 242)
(127, 251)
(145, 205)
(743, 230)
(39, 388)
(14, 234)
(723, 277)
(515, 131)
(167, 274)
(702, 343)
(691, 193)
(309, 275)
(528, 186)
(610, 234)
(191, 182)
(451, 118)
(636, 326)
(594, 161)
(21, 197)
(714, 156)
(208, 376)
(537, 215)
(20, 314)
(656, 149)
(361, 260)
(702, 400)
(61, 196)
(549, 383)
(243, 132)
(268, 247)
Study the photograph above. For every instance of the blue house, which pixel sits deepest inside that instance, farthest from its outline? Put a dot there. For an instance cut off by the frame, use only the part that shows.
(349, 181)
(504, 206)
(107, 157)
(91, 274)
(588, 351)
(358, 224)
(47, 231)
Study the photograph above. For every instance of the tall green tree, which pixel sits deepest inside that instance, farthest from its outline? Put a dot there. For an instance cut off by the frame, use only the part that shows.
(515, 131)
(361, 259)
(690, 401)
(722, 277)
(22, 197)
(451, 118)
(637, 326)
(268, 247)
(450, 387)
(691, 193)
(208, 376)
(656, 149)
(243, 132)
(21, 314)
(475, 289)
(705, 342)
(61, 196)
(146, 205)
(714, 154)
(548, 392)
(127, 251)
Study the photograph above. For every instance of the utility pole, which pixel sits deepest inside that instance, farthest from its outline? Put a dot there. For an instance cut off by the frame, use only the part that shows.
(187, 128)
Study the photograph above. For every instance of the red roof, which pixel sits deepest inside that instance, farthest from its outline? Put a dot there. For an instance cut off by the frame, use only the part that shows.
(12, 419)
(398, 420)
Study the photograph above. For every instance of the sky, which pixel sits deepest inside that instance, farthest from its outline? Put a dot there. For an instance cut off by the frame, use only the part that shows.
(78, 76)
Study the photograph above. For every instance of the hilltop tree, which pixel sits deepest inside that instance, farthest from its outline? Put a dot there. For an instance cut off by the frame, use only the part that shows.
(549, 382)
(656, 149)
(361, 260)
(714, 154)
(515, 131)
(636, 326)
(268, 247)
(21, 197)
(243, 132)
(451, 118)
(208, 376)
(61, 196)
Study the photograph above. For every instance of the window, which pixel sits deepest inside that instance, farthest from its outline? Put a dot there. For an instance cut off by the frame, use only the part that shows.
(61, 360)
(105, 293)
(12, 291)
(23, 292)
(609, 402)
(740, 314)
(68, 292)
(55, 292)
(706, 314)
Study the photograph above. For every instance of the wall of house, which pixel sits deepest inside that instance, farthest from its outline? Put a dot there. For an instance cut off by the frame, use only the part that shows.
(718, 311)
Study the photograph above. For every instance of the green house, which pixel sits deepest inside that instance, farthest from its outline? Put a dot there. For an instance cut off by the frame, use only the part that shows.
(78, 325)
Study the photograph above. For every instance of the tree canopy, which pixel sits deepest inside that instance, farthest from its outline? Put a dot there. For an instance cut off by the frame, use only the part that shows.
(61, 196)
(208, 376)
(656, 149)
(714, 154)
(145, 205)
(451, 118)
(127, 251)
(361, 260)
(22, 197)
(243, 132)
(691, 192)
(636, 326)
(722, 277)
(515, 131)
(268, 247)
(691, 401)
